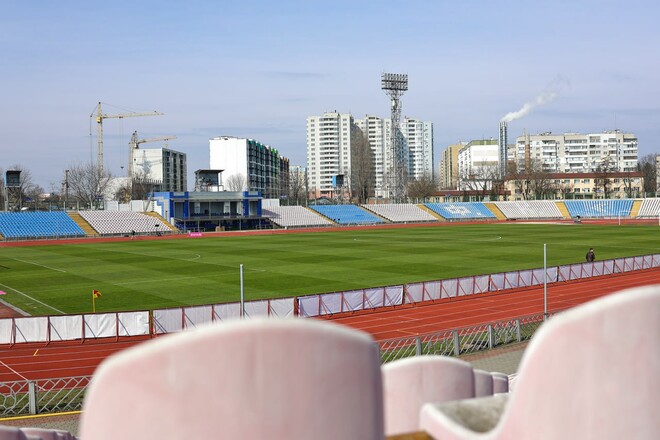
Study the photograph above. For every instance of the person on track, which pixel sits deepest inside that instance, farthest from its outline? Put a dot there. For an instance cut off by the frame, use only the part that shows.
(591, 256)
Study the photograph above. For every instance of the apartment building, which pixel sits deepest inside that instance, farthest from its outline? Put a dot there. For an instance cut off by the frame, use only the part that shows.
(448, 167)
(164, 168)
(478, 164)
(577, 153)
(329, 149)
(250, 164)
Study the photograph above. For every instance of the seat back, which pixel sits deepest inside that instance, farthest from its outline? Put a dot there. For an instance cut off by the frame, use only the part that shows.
(592, 372)
(483, 383)
(410, 383)
(500, 383)
(253, 379)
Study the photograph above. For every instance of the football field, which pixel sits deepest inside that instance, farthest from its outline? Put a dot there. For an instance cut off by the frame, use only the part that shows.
(151, 274)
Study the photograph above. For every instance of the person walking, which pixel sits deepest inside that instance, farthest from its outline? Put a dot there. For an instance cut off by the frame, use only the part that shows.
(591, 256)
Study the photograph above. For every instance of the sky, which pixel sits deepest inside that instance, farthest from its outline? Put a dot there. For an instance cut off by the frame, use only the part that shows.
(258, 69)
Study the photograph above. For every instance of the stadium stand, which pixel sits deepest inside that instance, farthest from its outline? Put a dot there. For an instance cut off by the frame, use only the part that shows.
(529, 209)
(462, 211)
(650, 208)
(410, 383)
(599, 208)
(24, 225)
(587, 373)
(347, 214)
(294, 216)
(400, 213)
(284, 379)
(122, 222)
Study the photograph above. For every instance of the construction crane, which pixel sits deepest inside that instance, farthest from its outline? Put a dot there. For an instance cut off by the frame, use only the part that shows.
(134, 144)
(100, 116)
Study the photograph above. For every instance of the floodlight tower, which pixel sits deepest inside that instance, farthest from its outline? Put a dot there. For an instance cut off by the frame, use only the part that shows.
(394, 85)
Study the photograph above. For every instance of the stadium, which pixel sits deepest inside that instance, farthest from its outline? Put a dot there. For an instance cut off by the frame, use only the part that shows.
(441, 289)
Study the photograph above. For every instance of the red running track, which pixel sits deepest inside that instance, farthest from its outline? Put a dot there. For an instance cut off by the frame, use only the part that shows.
(65, 359)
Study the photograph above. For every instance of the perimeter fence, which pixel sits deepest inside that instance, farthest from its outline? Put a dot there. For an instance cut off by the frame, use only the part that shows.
(42, 396)
(46, 329)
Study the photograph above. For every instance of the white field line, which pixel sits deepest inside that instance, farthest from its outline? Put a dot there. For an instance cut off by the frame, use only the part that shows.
(40, 265)
(33, 299)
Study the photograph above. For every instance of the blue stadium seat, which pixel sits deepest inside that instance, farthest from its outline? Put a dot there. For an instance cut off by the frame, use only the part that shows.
(461, 211)
(347, 214)
(38, 225)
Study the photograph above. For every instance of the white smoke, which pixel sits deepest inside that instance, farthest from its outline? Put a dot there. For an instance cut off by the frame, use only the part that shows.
(550, 93)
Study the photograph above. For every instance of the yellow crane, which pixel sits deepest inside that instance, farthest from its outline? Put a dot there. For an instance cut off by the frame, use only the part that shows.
(134, 144)
(100, 116)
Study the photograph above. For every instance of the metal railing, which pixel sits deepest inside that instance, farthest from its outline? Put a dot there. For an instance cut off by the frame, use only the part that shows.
(42, 396)
(461, 341)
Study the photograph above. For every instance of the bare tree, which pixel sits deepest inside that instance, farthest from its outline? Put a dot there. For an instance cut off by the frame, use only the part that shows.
(603, 180)
(534, 182)
(647, 166)
(479, 179)
(423, 187)
(362, 178)
(86, 184)
(141, 185)
(236, 182)
(297, 191)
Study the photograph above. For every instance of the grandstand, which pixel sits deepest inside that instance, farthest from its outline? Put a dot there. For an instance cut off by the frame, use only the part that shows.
(347, 214)
(123, 222)
(401, 213)
(599, 208)
(462, 211)
(294, 217)
(650, 208)
(529, 209)
(27, 225)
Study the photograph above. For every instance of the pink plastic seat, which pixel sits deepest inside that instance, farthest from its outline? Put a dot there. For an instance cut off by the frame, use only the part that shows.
(253, 379)
(483, 383)
(11, 433)
(45, 434)
(410, 383)
(589, 373)
(500, 383)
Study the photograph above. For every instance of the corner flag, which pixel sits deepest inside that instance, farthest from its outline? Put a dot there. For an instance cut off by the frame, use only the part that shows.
(95, 294)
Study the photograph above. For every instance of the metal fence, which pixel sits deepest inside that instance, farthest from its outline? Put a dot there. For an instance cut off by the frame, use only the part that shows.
(461, 341)
(42, 396)
(67, 394)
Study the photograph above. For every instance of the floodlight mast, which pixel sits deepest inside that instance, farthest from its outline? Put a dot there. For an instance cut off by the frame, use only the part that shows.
(395, 85)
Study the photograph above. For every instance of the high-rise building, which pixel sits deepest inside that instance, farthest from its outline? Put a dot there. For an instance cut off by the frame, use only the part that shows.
(478, 164)
(577, 153)
(329, 149)
(248, 165)
(448, 169)
(164, 168)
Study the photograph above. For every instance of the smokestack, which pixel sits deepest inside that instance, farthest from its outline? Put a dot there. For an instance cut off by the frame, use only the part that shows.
(502, 145)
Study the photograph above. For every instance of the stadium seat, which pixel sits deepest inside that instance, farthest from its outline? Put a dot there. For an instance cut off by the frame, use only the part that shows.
(483, 383)
(589, 373)
(500, 383)
(410, 383)
(10, 433)
(47, 434)
(253, 379)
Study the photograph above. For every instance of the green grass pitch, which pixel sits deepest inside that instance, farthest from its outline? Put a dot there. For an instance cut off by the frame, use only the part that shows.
(141, 275)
